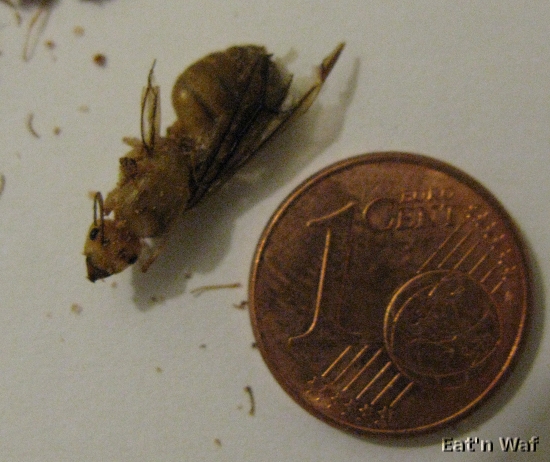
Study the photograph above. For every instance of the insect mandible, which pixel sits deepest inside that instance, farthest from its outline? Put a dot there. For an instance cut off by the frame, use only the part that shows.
(228, 104)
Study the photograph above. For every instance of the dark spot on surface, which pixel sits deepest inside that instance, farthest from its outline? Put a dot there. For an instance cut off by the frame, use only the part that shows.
(100, 59)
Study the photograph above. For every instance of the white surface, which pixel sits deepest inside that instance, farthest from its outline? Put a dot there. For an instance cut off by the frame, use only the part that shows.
(466, 82)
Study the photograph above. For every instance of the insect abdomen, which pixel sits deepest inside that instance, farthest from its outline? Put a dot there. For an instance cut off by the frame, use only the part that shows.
(209, 92)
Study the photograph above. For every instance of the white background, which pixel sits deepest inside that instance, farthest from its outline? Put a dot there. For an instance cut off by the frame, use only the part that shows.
(467, 82)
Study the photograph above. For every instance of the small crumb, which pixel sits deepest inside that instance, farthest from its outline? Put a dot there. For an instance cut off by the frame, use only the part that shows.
(203, 346)
(78, 31)
(242, 305)
(2, 183)
(159, 369)
(100, 59)
(49, 44)
(76, 308)
(30, 119)
(56, 131)
(199, 290)
(114, 284)
(252, 410)
(83, 108)
(218, 442)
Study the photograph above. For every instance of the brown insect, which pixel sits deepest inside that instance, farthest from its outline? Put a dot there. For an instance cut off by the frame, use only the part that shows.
(228, 104)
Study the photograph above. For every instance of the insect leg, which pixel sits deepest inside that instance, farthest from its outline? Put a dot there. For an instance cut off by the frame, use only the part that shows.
(156, 251)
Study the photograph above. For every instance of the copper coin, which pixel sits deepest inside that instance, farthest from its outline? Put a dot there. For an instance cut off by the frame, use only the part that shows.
(389, 294)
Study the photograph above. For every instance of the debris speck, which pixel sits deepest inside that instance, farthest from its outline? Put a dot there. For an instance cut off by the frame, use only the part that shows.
(78, 31)
(218, 442)
(242, 305)
(76, 308)
(158, 369)
(248, 389)
(114, 284)
(200, 290)
(83, 108)
(49, 44)
(100, 59)
(202, 346)
(57, 131)
(2, 183)
(254, 345)
(30, 119)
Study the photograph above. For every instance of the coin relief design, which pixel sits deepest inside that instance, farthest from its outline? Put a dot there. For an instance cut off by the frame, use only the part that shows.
(389, 294)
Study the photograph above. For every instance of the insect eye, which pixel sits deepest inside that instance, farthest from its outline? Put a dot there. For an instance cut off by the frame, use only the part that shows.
(93, 234)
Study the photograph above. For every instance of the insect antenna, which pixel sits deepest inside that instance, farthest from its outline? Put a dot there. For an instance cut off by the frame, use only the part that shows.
(98, 199)
(149, 113)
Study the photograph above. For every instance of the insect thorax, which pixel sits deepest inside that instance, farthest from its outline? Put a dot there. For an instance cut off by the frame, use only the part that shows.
(153, 188)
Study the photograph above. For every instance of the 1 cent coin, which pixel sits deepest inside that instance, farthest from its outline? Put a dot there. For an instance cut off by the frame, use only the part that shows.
(389, 294)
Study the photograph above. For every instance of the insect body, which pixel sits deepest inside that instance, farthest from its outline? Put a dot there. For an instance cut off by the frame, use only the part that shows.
(228, 104)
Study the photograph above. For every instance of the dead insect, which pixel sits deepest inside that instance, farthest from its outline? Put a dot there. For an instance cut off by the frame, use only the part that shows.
(228, 104)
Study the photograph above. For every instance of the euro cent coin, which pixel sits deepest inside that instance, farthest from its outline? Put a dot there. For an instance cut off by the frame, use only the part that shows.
(389, 294)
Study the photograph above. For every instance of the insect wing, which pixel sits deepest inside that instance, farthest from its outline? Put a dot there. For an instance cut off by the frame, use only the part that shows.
(256, 118)
(241, 83)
